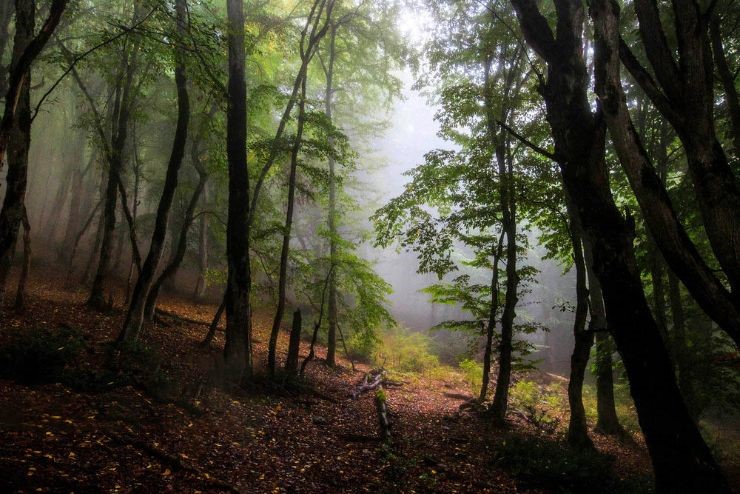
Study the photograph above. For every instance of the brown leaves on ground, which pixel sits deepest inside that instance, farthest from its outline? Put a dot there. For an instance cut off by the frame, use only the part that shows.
(192, 437)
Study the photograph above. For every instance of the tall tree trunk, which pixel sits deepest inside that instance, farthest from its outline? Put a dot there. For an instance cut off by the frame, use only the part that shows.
(291, 362)
(666, 231)
(181, 247)
(728, 81)
(681, 459)
(682, 353)
(684, 95)
(135, 316)
(74, 217)
(201, 285)
(332, 315)
(656, 268)
(577, 426)
(238, 348)
(491, 325)
(120, 117)
(500, 402)
(285, 250)
(20, 296)
(6, 14)
(607, 421)
(20, 68)
(19, 141)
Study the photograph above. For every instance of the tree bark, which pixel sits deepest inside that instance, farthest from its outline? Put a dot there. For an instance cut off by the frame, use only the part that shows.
(135, 316)
(681, 459)
(20, 296)
(291, 362)
(665, 230)
(500, 402)
(607, 421)
(682, 354)
(332, 315)
(577, 426)
(238, 348)
(285, 250)
(684, 95)
(6, 14)
(182, 241)
(491, 325)
(728, 80)
(18, 137)
(20, 68)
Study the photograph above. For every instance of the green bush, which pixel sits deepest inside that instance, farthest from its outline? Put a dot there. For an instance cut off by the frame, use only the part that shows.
(406, 352)
(473, 374)
(539, 405)
(40, 356)
(553, 465)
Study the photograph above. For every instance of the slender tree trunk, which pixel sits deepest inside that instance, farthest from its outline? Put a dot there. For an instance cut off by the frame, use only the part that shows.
(87, 273)
(75, 211)
(238, 348)
(20, 296)
(21, 65)
(332, 315)
(728, 81)
(285, 250)
(214, 324)
(180, 249)
(607, 421)
(577, 426)
(6, 14)
(19, 141)
(120, 118)
(202, 285)
(135, 316)
(682, 354)
(508, 208)
(291, 362)
(655, 266)
(491, 325)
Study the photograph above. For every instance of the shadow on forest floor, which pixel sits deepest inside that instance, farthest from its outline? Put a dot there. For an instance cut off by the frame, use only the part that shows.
(78, 416)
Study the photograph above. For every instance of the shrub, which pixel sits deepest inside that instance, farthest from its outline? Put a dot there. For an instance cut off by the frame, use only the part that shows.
(40, 356)
(406, 352)
(473, 374)
(539, 406)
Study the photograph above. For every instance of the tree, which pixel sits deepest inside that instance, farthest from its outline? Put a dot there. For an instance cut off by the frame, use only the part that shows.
(681, 458)
(317, 25)
(683, 92)
(15, 127)
(135, 315)
(238, 348)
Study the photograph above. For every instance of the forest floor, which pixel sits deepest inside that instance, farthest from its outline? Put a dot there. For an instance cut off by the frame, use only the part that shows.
(152, 424)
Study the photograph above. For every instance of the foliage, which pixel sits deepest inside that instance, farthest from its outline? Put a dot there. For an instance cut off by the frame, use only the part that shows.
(473, 371)
(405, 351)
(540, 406)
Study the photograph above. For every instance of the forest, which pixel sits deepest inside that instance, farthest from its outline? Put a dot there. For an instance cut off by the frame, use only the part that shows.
(385, 246)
